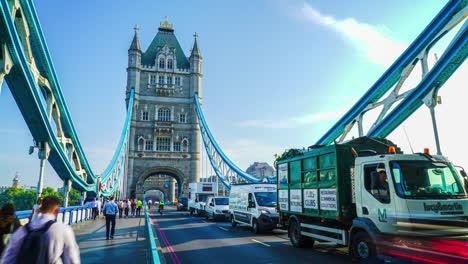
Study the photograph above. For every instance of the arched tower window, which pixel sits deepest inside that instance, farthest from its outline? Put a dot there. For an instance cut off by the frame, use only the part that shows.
(169, 64)
(185, 145)
(164, 114)
(141, 143)
(161, 63)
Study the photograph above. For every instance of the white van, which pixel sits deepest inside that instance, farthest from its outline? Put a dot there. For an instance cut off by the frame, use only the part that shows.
(254, 204)
(217, 208)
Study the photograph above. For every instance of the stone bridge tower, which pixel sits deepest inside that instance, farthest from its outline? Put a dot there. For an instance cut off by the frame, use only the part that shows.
(164, 133)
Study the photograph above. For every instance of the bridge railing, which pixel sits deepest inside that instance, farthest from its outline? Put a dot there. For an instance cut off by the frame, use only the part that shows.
(152, 256)
(67, 215)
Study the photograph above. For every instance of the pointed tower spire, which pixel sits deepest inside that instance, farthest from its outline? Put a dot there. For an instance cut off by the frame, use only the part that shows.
(195, 49)
(135, 42)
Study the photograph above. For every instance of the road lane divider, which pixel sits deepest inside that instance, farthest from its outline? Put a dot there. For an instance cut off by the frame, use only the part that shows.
(222, 228)
(254, 240)
(171, 251)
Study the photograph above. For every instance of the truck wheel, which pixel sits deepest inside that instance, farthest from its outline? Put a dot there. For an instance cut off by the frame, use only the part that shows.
(363, 248)
(233, 222)
(207, 216)
(191, 211)
(255, 227)
(294, 232)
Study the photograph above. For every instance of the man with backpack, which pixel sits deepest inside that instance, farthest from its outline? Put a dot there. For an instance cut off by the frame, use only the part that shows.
(43, 240)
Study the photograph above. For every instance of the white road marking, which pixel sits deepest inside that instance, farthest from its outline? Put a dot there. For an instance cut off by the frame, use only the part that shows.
(261, 243)
(222, 228)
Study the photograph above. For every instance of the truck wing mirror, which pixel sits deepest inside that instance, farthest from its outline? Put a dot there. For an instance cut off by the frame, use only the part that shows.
(463, 173)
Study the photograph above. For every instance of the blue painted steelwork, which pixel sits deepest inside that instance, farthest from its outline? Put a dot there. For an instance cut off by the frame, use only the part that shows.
(209, 140)
(152, 256)
(453, 57)
(435, 30)
(33, 79)
(82, 213)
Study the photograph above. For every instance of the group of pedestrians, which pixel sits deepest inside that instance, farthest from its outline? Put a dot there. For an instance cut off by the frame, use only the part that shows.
(42, 240)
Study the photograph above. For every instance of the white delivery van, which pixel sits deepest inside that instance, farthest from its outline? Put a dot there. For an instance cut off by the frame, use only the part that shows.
(217, 208)
(254, 204)
(198, 195)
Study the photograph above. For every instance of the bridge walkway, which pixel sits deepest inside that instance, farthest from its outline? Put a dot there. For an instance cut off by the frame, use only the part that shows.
(128, 245)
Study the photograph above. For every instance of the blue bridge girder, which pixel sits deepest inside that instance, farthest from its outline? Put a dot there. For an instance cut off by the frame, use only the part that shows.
(32, 79)
(451, 15)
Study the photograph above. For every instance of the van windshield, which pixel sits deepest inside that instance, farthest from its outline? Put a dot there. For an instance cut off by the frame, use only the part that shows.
(222, 201)
(202, 198)
(267, 199)
(425, 179)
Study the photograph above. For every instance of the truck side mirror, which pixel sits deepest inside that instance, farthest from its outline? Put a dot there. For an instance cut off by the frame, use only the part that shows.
(463, 173)
(252, 205)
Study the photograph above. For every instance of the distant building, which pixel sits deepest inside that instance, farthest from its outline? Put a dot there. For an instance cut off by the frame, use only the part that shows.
(29, 188)
(260, 170)
(16, 181)
(4, 188)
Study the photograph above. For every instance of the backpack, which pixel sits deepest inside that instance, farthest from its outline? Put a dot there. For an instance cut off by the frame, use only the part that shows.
(6, 237)
(33, 249)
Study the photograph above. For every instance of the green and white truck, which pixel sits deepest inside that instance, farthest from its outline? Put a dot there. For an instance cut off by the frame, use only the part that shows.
(358, 192)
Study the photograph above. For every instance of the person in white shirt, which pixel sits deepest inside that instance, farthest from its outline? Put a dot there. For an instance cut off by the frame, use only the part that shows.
(35, 210)
(60, 240)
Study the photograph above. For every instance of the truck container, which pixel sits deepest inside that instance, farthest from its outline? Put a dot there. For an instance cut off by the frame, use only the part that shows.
(198, 196)
(355, 192)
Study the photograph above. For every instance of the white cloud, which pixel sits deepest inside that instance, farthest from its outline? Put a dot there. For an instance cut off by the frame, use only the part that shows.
(367, 38)
(244, 151)
(295, 121)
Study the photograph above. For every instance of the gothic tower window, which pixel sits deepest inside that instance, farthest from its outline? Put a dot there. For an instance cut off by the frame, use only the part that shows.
(149, 145)
(163, 144)
(145, 116)
(177, 146)
(169, 64)
(169, 80)
(153, 79)
(161, 63)
(164, 114)
(182, 118)
(161, 79)
(177, 81)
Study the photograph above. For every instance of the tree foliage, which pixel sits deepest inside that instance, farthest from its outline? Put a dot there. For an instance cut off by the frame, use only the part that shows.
(24, 200)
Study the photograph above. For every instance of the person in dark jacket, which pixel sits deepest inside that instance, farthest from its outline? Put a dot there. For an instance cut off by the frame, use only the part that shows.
(8, 223)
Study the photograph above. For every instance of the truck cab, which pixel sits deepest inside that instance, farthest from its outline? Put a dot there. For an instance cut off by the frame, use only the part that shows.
(399, 192)
(217, 208)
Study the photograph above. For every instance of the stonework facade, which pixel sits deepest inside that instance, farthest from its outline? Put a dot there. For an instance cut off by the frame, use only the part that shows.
(164, 133)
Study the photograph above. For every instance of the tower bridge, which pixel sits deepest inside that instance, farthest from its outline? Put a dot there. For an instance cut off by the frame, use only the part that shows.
(164, 135)
(160, 141)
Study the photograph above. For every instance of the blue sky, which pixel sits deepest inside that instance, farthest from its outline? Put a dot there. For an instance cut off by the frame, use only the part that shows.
(277, 74)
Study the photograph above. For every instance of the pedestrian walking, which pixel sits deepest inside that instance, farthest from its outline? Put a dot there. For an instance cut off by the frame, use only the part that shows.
(8, 224)
(110, 210)
(121, 208)
(150, 203)
(138, 208)
(127, 207)
(94, 208)
(43, 240)
(35, 210)
(133, 208)
(98, 207)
